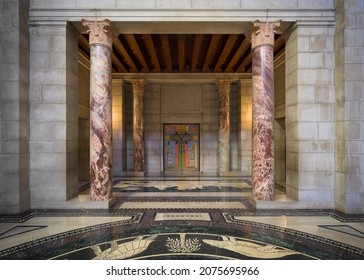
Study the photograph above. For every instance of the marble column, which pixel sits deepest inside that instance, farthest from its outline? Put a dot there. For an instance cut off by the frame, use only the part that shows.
(138, 88)
(100, 109)
(263, 109)
(223, 89)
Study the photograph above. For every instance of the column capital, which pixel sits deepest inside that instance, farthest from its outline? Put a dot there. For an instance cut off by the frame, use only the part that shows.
(138, 85)
(100, 32)
(223, 85)
(264, 32)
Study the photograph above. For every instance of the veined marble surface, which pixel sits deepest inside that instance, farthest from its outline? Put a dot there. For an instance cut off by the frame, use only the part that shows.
(100, 123)
(263, 122)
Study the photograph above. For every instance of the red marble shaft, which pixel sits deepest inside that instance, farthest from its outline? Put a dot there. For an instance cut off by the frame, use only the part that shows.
(263, 122)
(100, 123)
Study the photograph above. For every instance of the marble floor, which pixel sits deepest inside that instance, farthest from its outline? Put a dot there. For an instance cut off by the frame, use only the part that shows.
(175, 218)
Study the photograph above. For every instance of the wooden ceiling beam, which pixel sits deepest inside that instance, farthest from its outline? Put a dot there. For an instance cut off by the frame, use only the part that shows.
(181, 52)
(84, 58)
(238, 54)
(225, 53)
(136, 50)
(211, 51)
(247, 60)
(118, 63)
(128, 60)
(279, 42)
(166, 52)
(196, 51)
(84, 43)
(153, 54)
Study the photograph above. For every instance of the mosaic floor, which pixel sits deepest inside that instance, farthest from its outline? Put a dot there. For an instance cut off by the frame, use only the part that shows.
(182, 219)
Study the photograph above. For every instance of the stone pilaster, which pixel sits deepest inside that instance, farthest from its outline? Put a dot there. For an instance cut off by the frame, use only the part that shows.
(53, 96)
(349, 106)
(14, 107)
(263, 109)
(223, 90)
(100, 109)
(310, 114)
(138, 124)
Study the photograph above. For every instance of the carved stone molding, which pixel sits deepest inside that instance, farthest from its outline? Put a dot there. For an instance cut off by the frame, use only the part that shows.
(264, 32)
(138, 85)
(100, 32)
(223, 85)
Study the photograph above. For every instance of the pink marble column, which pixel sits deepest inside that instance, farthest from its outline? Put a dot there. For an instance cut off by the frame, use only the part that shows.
(138, 87)
(100, 109)
(263, 109)
(223, 89)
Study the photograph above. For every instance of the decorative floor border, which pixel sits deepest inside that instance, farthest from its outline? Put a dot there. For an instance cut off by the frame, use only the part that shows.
(85, 238)
(230, 218)
(136, 218)
(14, 218)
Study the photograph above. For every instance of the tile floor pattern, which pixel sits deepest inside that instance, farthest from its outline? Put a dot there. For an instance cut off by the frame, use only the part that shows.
(159, 218)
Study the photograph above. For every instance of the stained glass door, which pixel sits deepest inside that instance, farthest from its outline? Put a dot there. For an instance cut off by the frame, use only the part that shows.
(181, 147)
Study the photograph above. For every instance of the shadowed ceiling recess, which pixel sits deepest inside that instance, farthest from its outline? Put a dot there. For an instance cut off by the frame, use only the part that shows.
(181, 53)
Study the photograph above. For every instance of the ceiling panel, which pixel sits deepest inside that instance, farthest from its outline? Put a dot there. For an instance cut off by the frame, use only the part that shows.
(181, 53)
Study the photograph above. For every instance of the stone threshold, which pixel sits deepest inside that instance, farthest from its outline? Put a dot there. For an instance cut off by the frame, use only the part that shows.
(283, 202)
(83, 201)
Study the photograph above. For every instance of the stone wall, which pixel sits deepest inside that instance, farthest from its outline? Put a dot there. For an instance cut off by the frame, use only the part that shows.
(129, 128)
(234, 130)
(209, 129)
(83, 123)
(118, 128)
(349, 95)
(14, 107)
(244, 148)
(153, 129)
(53, 114)
(280, 151)
(310, 109)
(279, 124)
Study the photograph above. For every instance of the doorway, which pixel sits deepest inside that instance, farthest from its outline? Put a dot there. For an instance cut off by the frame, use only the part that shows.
(181, 147)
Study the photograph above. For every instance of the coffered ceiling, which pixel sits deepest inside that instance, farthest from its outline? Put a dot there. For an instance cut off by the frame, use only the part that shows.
(181, 53)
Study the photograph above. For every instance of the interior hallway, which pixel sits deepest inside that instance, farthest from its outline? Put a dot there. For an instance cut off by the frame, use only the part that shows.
(177, 218)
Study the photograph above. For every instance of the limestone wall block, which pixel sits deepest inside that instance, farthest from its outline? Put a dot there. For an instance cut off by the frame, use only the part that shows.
(173, 4)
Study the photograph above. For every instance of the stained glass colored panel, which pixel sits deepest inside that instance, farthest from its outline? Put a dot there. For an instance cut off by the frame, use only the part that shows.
(181, 147)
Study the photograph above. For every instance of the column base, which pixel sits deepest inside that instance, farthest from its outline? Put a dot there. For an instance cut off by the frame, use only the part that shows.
(83, 201)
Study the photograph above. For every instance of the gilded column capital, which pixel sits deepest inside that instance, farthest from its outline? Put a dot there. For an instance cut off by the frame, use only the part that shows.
(223, 85)
(264, 32)
(100, 32)
(138, 85)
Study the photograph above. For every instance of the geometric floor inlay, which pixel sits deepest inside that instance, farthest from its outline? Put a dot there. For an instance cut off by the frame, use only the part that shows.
(180, 245)
(19, 230)
(182, 205)
(344, 229)
(182, 217)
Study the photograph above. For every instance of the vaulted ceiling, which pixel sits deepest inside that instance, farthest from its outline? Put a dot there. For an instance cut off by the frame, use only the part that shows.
(181, 53)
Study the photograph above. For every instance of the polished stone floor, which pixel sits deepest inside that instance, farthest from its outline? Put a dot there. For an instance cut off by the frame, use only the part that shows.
(175, 218)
